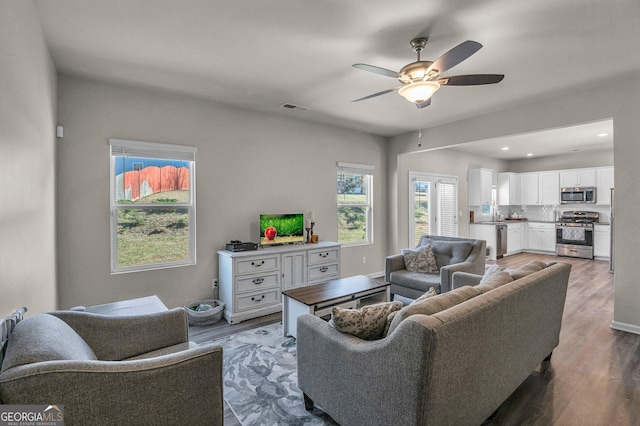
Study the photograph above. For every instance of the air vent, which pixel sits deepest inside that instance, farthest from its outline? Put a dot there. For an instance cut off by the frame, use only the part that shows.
(296, 107)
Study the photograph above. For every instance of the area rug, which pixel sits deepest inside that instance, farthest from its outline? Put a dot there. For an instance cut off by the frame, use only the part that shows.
(261, 379)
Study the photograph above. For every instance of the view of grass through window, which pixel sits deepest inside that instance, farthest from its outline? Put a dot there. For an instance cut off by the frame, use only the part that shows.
(353, 207)
(420, 210)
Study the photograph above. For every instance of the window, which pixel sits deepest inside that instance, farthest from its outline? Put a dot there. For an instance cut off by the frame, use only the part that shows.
(432, 206)
(354, 185)
(153, 216)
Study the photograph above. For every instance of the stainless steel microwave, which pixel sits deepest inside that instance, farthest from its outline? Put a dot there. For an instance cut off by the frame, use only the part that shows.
(586, 195)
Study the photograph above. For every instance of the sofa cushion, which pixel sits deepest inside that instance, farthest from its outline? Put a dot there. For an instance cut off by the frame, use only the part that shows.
(431, 293)
(415, 280)
(368, 322)
(449, 252)
(496, 280)
(490, 272)
(529, 268)
(434, 305)
(420, 259)
(42, 338)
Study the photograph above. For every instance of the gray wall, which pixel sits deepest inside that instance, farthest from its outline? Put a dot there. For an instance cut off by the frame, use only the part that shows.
(247, 163)
(594, 158)
(27, 162)
(618, 99)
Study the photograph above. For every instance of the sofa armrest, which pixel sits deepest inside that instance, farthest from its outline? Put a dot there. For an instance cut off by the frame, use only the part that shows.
(163, 390)
(395, 262)
(114, 338)
(446, 274)
(333, 365)
(461, 279)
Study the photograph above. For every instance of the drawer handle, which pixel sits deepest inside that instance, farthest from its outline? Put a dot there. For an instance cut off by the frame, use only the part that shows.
(258, 280)
(257, 264)
(324, 254)
(324, 269)
(258, 300)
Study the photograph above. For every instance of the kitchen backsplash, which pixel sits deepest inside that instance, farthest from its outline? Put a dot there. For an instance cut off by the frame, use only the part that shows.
(540, 213)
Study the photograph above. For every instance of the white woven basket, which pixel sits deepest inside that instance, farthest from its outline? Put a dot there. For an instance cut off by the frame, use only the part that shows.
(205, 317)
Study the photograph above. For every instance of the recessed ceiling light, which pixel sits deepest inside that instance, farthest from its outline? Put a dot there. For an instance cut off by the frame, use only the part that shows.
(530, 154)
(505, 148)
(603, 134)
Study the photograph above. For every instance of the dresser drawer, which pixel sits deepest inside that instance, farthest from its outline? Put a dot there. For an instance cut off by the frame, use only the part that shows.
(257, 283)
(258, 300)
(324, 272)
(324, 256)
(256, 265)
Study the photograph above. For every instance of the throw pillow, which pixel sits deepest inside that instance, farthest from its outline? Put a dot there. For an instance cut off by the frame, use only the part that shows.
(430, 293)
(434, 305)
(496, 280)
(367, 323)
(529, 268)
(490, 272)
(421, 260)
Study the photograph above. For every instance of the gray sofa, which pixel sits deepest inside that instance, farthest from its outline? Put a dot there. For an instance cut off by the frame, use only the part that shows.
(455, 366)
(452, 255)
(107, 370)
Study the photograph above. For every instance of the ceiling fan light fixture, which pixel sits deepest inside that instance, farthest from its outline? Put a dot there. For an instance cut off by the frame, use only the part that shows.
(419, 91)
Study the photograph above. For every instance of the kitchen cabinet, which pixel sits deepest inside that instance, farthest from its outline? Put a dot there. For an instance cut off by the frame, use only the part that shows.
(601, 241)
(485, 232)
(540, 188)
(508, 189)
(515, 234)
(541, 236)
(577, 177)
(480, 181)
(604, 183)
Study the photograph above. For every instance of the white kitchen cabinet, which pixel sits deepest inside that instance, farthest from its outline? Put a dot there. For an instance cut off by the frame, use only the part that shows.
(577, 177)
(601, 241)
(508, 189)
(515, 233)
(294, 271)
(549, 188)
(541, 236)
(529, 189)
(487, 233)
(480, 181)
(604, 181)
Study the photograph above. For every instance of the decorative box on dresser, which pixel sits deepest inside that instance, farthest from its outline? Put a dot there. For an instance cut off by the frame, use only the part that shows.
(251, 282)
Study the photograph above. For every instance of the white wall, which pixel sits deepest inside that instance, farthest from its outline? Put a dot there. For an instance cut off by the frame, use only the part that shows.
(247, 163)
(618, 99)
(448, 162)
(27, 173)
(594, 158)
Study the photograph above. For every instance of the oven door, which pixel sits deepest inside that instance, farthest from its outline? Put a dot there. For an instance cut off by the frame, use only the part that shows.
(574, 234)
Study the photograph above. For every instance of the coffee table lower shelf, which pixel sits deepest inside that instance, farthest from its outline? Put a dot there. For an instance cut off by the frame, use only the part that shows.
(320, 299)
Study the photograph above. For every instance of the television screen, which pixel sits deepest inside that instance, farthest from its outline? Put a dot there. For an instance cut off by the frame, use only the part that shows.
(281, 228)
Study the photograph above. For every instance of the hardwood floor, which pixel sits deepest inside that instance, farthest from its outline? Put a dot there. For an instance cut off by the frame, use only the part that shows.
(594, 374)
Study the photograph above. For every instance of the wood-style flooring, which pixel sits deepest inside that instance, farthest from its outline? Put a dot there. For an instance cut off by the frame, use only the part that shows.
(594, 375)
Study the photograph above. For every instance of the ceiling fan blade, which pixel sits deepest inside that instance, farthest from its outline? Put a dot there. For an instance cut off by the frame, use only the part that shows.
(454, 56)
(384, 92)
(377, 70)
(424, 104)
(471, 80)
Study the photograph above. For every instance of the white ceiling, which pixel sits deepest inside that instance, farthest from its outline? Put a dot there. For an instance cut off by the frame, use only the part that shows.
(258, 55)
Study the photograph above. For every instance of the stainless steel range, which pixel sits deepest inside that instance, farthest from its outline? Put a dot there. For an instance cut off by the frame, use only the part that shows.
(574, 234)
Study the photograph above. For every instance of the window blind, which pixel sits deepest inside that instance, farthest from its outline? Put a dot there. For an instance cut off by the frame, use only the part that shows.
(128, 148)
(359, 169)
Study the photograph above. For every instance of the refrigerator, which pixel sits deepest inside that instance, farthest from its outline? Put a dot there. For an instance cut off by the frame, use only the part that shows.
(612, 245)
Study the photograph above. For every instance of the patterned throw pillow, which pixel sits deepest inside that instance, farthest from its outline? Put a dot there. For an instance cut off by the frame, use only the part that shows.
(420, 259)
(490, 272)
(367, 323)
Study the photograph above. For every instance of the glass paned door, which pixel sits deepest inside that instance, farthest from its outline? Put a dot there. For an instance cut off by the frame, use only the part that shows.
(433, 206)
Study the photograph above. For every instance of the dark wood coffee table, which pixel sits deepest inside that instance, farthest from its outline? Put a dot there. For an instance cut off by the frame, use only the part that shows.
(319, 299)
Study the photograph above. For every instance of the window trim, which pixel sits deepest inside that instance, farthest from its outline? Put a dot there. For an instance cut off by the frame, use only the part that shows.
(368, 171)
(125, 147)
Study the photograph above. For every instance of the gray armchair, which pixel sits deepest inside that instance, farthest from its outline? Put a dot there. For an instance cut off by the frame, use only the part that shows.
(106, 370)
(452, 254)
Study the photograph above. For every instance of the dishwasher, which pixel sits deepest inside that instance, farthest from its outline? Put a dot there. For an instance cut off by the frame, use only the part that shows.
(501, 241)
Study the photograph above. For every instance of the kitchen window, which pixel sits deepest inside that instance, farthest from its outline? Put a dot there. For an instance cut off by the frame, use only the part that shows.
(152, 199)
(433, 206)
(355, 204)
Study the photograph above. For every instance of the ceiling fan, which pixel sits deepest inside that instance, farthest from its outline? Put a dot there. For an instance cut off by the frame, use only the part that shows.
(421, 79)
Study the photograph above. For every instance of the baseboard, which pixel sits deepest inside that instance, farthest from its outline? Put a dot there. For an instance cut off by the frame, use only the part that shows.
(629, 328)
(376, 275)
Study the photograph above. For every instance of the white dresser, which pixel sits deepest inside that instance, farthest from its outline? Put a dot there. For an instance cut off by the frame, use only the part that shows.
(251, 282)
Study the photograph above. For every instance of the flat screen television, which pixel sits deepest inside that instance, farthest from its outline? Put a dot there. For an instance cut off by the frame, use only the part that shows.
(276, 229)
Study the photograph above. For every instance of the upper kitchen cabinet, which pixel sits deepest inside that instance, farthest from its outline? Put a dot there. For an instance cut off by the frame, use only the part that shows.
(577, 177)
(604, 180)
(480, 181)
(540, 188)
(508, 189)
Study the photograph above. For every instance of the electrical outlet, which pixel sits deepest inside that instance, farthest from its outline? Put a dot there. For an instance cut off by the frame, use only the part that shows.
(214, 283)
(364, 260)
